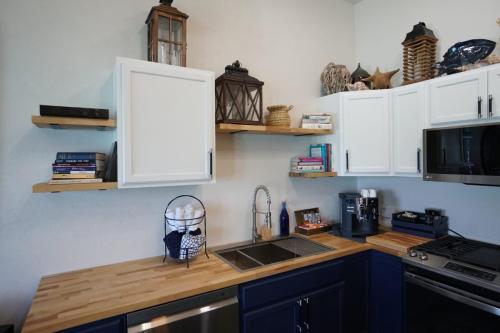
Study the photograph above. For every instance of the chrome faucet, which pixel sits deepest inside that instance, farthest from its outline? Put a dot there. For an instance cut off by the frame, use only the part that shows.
(255, 235)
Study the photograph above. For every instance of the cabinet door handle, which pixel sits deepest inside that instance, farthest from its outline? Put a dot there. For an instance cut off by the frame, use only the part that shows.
(490, 106)
(211, 156)
(347, 160)
(479, 103)
(419, 169)
(306, 318)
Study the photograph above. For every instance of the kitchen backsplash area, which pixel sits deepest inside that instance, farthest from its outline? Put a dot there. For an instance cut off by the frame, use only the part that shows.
(472, 210)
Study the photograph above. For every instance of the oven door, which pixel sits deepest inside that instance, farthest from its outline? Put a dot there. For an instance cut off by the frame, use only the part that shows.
(440, 307)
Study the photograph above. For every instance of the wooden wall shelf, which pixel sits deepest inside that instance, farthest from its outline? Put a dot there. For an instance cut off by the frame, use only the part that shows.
(257, 129)
(67, 122)
(49, 188)
(312, 174)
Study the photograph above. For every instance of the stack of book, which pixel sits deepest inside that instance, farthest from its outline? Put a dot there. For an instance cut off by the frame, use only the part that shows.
(302, 164)
(323, 151)
(78, 168)
(317, 121)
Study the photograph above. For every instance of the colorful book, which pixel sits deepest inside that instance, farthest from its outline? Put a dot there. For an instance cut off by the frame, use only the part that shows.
(77, 161)
(80, 156)
(73, 176)
(75, 181)
(317, 126)
(303, 168)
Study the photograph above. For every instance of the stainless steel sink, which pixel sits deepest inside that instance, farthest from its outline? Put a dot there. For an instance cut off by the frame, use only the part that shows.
(254, 255)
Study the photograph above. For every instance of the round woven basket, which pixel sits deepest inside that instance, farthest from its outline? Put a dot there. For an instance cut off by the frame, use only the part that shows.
(278, 115)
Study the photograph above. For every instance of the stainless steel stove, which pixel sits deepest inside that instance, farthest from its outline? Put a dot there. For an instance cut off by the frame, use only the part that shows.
(453, 285)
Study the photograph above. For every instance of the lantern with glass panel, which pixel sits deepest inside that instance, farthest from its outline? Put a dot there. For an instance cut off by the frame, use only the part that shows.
(167, 34)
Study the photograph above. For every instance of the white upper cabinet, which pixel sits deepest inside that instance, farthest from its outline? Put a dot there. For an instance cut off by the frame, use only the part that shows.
(408, 117)
(494, 93)
(366, 132)
(166, 126)
(459, 97)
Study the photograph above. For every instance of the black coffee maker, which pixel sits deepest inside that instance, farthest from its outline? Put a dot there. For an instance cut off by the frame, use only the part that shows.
(359, 215)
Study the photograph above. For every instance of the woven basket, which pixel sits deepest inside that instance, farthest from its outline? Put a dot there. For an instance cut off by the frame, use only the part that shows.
(278, 115)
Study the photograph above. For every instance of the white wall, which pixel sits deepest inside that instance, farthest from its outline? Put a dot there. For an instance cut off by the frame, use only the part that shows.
(62, 52)
(380, 27)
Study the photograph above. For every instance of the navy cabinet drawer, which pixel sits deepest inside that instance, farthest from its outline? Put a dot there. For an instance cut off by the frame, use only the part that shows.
(290, 284)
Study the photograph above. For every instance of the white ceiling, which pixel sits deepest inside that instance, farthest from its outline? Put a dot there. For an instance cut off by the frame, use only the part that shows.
(354, 1)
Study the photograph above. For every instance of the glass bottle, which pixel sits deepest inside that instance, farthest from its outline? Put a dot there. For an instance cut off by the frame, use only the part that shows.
(284, 221)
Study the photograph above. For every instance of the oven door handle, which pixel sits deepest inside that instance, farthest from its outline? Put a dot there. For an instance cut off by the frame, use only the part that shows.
(455, 294)
(167, 319)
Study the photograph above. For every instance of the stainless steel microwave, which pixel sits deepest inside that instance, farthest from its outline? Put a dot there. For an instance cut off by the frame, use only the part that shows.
(464, 154)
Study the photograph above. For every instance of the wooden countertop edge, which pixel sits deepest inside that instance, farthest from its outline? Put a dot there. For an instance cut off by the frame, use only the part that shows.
(39, 326)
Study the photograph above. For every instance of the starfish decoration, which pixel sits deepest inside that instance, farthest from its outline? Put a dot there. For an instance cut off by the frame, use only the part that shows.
(381, 80)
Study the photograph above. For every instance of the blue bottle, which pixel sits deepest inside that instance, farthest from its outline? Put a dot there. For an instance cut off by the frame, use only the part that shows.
(284, 221)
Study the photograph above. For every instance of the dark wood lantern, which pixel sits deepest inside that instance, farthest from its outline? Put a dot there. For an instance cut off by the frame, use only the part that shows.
(419, 54)
(167, 34)
(239, 97)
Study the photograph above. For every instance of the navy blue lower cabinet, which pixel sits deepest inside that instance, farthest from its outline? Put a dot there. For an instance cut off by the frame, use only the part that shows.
(323, 310)
(110, 325)
(304, 300)
(387, 290)
(356, 309)
(281, 317)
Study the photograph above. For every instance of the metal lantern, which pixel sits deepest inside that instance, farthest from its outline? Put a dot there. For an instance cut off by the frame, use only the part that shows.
(167, 34)
(239, 97)
(419, 54)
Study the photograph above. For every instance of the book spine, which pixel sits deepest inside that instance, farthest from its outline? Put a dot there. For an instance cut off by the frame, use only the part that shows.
(317, 126)
(73, 169)
(75, 181)
(76, 161)
(329, 157)
(73, 176)
(80, 156)
(306, 163)
(309, 168)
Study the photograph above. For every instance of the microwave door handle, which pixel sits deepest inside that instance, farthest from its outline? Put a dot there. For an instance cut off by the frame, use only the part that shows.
(419, 169)
(168, 319)
(453, 293)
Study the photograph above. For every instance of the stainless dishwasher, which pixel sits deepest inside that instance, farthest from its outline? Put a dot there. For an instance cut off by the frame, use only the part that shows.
(214, 312)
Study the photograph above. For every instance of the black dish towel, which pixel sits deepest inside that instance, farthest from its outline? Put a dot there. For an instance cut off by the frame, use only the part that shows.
(173, 243)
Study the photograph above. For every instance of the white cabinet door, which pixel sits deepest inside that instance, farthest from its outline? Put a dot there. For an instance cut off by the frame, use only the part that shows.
(366, 132)
(408, 114)
(165, 124)
(494, 93)
(459, 97)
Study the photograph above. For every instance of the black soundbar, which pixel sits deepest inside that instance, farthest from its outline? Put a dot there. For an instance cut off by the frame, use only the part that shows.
(67, 111)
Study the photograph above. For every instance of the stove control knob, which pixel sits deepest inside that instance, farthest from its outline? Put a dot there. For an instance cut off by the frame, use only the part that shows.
(424, 256)
(413, 253)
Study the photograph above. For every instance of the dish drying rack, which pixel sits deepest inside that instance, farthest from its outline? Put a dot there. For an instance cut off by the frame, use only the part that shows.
(200, 221)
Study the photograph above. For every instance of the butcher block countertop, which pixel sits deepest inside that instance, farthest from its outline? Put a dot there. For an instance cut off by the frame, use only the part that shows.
(75, 298)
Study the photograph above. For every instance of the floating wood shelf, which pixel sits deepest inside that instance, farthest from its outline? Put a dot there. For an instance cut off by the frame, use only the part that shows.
(49, 188)
(257, 129)
(312, 174)
(67, 122)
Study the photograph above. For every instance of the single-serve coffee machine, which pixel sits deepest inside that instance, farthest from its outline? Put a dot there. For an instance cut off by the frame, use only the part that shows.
(359, 213)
